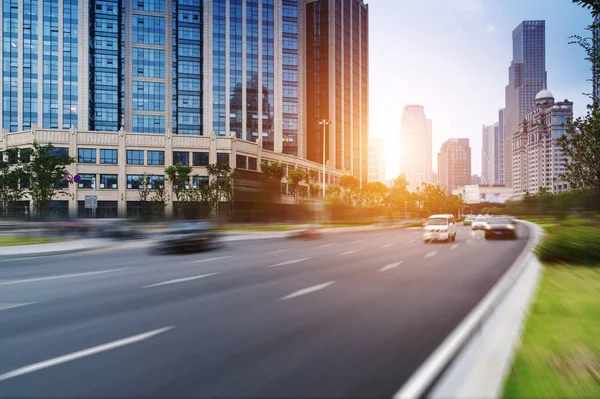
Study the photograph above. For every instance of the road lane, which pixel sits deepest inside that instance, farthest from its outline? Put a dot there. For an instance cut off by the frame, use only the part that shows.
(236, 338)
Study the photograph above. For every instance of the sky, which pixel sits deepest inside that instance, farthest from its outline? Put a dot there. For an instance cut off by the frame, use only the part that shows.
(452, 57)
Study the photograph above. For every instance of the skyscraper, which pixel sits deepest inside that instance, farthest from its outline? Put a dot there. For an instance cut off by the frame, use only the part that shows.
(416, 156)
(527, 76)
(376, 160)
(151, 66)
(337, 85)
(499, 149)
(454, 164)
(488, 154)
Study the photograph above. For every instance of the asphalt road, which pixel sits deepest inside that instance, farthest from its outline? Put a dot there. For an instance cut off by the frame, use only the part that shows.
(347, 315)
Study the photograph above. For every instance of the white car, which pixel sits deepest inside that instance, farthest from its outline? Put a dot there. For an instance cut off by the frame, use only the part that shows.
(479, 223)
(440, 227)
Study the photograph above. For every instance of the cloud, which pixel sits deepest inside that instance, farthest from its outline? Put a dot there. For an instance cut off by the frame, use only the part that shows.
(470, 7)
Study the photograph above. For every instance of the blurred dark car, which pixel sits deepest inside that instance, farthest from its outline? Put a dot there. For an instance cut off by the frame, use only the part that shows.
(121, 229)
(188, 237)
(500, 227)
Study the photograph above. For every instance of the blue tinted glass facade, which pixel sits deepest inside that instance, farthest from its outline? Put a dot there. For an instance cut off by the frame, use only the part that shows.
(219, 67)
(148, 30)
(268, 74)
(148, 96)
(69, 84)
(252, 116)
(10, 65)
(290, 76)
(148, 63)
(149, 5)
(106, 86)
(187, 68)
(148, 124)
(50, 83)
(30, 63)
(236, 70)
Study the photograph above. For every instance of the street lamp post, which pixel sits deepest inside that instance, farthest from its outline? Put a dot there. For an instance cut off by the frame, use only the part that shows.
(324, 123)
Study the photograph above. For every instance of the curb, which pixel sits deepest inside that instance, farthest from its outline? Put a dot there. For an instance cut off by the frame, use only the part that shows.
(474, 359)
(33, 254)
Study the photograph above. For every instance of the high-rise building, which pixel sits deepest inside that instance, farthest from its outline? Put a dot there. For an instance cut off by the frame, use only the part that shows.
(152, 66)
(475, 180)
(527, 76)
(499, 150)
(337, 84)
(454, 164)
(537, 160)
(416, 156)
(488, 154)
(376, 160)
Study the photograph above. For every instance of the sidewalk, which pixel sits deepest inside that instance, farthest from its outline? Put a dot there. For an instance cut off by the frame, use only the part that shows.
(57, 248)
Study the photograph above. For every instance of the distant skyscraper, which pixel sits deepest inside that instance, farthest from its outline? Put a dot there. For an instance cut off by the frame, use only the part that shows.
(488, 154)
(527, 76)
(416, 156)
(337, 85)
(376, 160)
(475, 180)
(454, 164)
(499, 149)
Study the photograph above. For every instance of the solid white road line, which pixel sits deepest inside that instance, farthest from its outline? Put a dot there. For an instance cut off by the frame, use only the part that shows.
(279, 251)
(307, 290)
(430, 254)
(386, 246)
(349, 252)
(391, 266)
(289, 262)
(6, 306)
(454, 246)
(209, 259)
(180, 280)
(325, 245)
(59, 276)
(80, 354)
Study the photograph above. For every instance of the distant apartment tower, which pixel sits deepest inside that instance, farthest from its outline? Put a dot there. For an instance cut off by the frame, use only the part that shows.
(416, 140)
(537, 160)
(454, 164)
(488, 154)
(499, 171)
(337, 84)
(155, 66)
(376, 160)
(475, 180)
(527, 76)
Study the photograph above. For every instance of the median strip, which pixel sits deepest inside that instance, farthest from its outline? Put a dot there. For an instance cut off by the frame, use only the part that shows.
(289, 262)
(60, 276)
(80, 354)
(307, 290)
(180, 280)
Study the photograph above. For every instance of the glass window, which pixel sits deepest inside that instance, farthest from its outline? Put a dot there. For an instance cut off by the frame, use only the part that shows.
(87, 180)
(135, 157)
(200, 159)
(108, 181)
(108, 156)
(148, 124)
(155, 182)
(241, 162)
(199, 181)
(86, 155)
(149, 5)
(135, 181)
(252, 163)
(148, 96)
(223, 157)
(148, 29)
(181, 158)
(156, 157)
(59, 151)
(148, 63)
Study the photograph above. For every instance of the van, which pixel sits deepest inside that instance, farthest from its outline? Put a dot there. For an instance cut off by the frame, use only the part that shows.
(440, 228)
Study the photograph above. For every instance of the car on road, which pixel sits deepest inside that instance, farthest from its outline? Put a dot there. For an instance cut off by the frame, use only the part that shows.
(479, 223)
(188, 237)
(439, 228)
(468, 221)
(500, 227)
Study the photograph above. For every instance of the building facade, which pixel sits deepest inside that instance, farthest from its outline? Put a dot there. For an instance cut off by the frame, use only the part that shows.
(416, 141)
(527, 76)
(488, 154)
(337, 83)
(454, 164)
(499, 150)
(153, 66)
(536, 158)
(376, 160)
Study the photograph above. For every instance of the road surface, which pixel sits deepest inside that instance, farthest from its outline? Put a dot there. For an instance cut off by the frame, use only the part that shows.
(347, 315)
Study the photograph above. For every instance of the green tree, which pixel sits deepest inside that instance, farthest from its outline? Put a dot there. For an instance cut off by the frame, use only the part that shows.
(376, 195)
(273, 173)
(350, 186)
(45, 171)
(179, 177)
(400, 199)
(220, 186)
(294, 178)
(11, 175)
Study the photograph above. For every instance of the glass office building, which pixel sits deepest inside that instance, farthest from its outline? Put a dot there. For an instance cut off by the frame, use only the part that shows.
(190, 67)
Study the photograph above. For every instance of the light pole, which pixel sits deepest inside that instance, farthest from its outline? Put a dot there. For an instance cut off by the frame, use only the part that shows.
(325, 123)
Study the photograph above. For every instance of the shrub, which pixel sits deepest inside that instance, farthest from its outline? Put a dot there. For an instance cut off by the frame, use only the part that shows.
(572, 245)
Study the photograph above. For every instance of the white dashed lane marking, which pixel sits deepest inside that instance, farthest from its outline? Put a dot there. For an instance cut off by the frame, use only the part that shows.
(307, 290)
(326, 245)
(181, 280)
(430, 254)
(410, 241)
(391, 266)
(356, 242)
(454, 246)
(59, 277)
(289, 262)
(349, 252)
(6, 306)
(279, 251)
(209, 259)
(386, 246)
(469, 241)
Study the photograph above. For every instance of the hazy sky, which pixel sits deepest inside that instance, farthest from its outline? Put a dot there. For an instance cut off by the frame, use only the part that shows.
(452, 56)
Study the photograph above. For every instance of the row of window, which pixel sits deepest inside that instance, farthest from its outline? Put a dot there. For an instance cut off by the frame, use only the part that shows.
(134, 182)
(136, 157)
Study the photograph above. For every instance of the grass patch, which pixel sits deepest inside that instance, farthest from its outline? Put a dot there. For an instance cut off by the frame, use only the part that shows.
(240, 229)
(573, 245)
(560, 351)
(10, 241)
